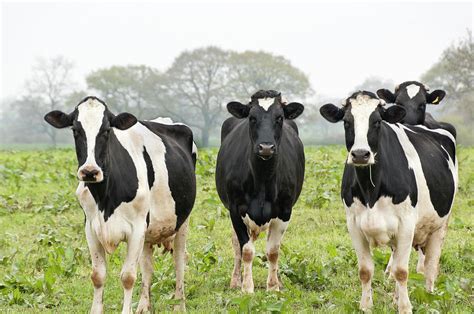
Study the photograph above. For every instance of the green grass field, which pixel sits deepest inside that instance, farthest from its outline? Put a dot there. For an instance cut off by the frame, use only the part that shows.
(45, 266)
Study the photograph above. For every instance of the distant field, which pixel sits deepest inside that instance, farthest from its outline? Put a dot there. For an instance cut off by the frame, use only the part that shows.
(44, 260)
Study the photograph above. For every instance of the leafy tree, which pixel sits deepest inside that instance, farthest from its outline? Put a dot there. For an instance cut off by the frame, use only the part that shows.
(454, 72)
(125, 88)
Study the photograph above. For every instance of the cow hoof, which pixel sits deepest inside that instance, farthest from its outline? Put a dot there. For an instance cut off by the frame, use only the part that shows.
(143, 307)
(273, 287)
(248, 289)
(235, 283)
(181, 307)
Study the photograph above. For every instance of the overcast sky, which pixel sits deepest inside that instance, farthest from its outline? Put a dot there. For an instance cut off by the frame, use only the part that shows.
(338, 45)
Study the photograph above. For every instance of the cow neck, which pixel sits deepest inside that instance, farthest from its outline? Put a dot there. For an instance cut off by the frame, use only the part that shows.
(264, 176)
(120, 182)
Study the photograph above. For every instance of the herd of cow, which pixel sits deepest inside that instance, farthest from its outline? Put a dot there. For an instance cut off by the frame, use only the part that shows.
(137, 184)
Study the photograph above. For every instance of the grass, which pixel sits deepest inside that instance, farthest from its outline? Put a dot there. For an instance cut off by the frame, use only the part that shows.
(45, 264)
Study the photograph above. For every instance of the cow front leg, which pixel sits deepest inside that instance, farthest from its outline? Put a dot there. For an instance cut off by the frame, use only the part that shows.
(276, 231)
(365, 262)
(128, 274)
(179, 255)
(247, 250)
(433, 253)
(146, 266)
(420, 266)
(98, 268)
(236, 280)
(401, 257)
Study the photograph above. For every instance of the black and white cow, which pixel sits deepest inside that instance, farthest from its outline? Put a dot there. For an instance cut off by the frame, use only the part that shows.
(137, 185)
(414, 96)
(398, 188)
(259, 176)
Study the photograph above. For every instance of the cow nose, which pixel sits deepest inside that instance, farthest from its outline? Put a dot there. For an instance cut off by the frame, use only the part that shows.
(360, 156)
(89, 175)
(266, 149)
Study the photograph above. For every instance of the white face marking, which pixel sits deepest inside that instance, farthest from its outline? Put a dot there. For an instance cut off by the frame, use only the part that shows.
(361, 108)
(91, 114)
(412, 90)
(265, 103)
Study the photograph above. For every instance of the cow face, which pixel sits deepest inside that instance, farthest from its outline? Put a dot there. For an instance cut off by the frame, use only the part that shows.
(362, 114)
(413, 96)
(92, 125)
(265, 116)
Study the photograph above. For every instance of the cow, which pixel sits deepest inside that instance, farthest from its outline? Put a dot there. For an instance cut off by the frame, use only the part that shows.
(414, 96)
(397, 188)
(259, 176)
(136, 185)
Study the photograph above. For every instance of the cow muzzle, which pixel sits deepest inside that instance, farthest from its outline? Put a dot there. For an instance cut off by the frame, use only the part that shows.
(361, 157)
(91, 174)
(266, 150)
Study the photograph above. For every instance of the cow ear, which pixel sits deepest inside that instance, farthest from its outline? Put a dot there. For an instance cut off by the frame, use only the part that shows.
(58, 119)
(331, 113)
(238, 110)
(435, 97)
(293, 110)
(386, 95)
(123, 121)
(393, 114)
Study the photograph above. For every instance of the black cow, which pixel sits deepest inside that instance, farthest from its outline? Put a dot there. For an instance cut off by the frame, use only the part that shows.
(259, 176)
(137, 185)
(414, 96)
(398, 188)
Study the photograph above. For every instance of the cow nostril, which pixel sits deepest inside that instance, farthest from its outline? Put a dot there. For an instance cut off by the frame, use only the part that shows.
(367, 155)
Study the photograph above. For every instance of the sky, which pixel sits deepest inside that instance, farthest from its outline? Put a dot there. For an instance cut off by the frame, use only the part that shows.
(337, 45)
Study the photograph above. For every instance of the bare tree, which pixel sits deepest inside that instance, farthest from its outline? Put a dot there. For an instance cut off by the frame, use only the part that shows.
(47, 90)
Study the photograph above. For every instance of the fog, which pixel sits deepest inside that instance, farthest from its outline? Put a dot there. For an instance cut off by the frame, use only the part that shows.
(337, 45)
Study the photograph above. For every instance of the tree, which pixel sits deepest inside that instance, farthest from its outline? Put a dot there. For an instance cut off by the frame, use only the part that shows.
(200, 83)
(47, 90)
(125, 88)
(252, 71)
(454, 73)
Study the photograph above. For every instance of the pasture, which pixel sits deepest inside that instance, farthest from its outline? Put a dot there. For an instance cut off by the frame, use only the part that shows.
(45, 266)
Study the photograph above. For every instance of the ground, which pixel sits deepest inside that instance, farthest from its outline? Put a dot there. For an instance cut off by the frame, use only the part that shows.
(45, 264)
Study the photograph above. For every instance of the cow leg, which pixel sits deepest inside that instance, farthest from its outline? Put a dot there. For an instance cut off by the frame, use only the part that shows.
(236, 280)
(146, 266)
(366, 264)
(98, 268)
(433, 253)
(276, 231)
(179, 255)
(401, 257)
(129, 269)
(388, 270)
(420, 266)
(247, 250)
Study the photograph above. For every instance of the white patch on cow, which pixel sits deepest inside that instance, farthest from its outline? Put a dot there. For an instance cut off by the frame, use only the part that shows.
(91, 114)
(454, 171)
(439, 131)
(252, 227)
(163, 120)
(412, 90)
(428, 218)
(361, 108)
(265, 103)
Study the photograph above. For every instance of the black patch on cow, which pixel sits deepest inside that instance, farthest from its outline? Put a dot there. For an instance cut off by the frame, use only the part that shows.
(148, 219)
(178, 141)
(120, 182)
(390, 175)
(149, 168)
(434, 162)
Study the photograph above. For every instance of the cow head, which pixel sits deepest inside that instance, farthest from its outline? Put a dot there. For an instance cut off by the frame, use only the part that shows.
(92, 125)
(362, 114)
(266, 113)
(413, 96)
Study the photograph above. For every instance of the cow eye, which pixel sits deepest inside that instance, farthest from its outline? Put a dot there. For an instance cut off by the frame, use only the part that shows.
(75, 133)
(346, 124)
(279, 119)
(253, 120)
(377, 123)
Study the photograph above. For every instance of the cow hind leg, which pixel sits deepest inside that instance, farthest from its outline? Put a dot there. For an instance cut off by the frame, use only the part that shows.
(236, 280)
(146, 266)
(98, 269)
(275, 235)
(179, 256)
(433, 253)
(420, 265)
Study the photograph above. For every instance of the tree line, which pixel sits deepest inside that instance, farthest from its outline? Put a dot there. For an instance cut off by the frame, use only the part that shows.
(196, 87)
